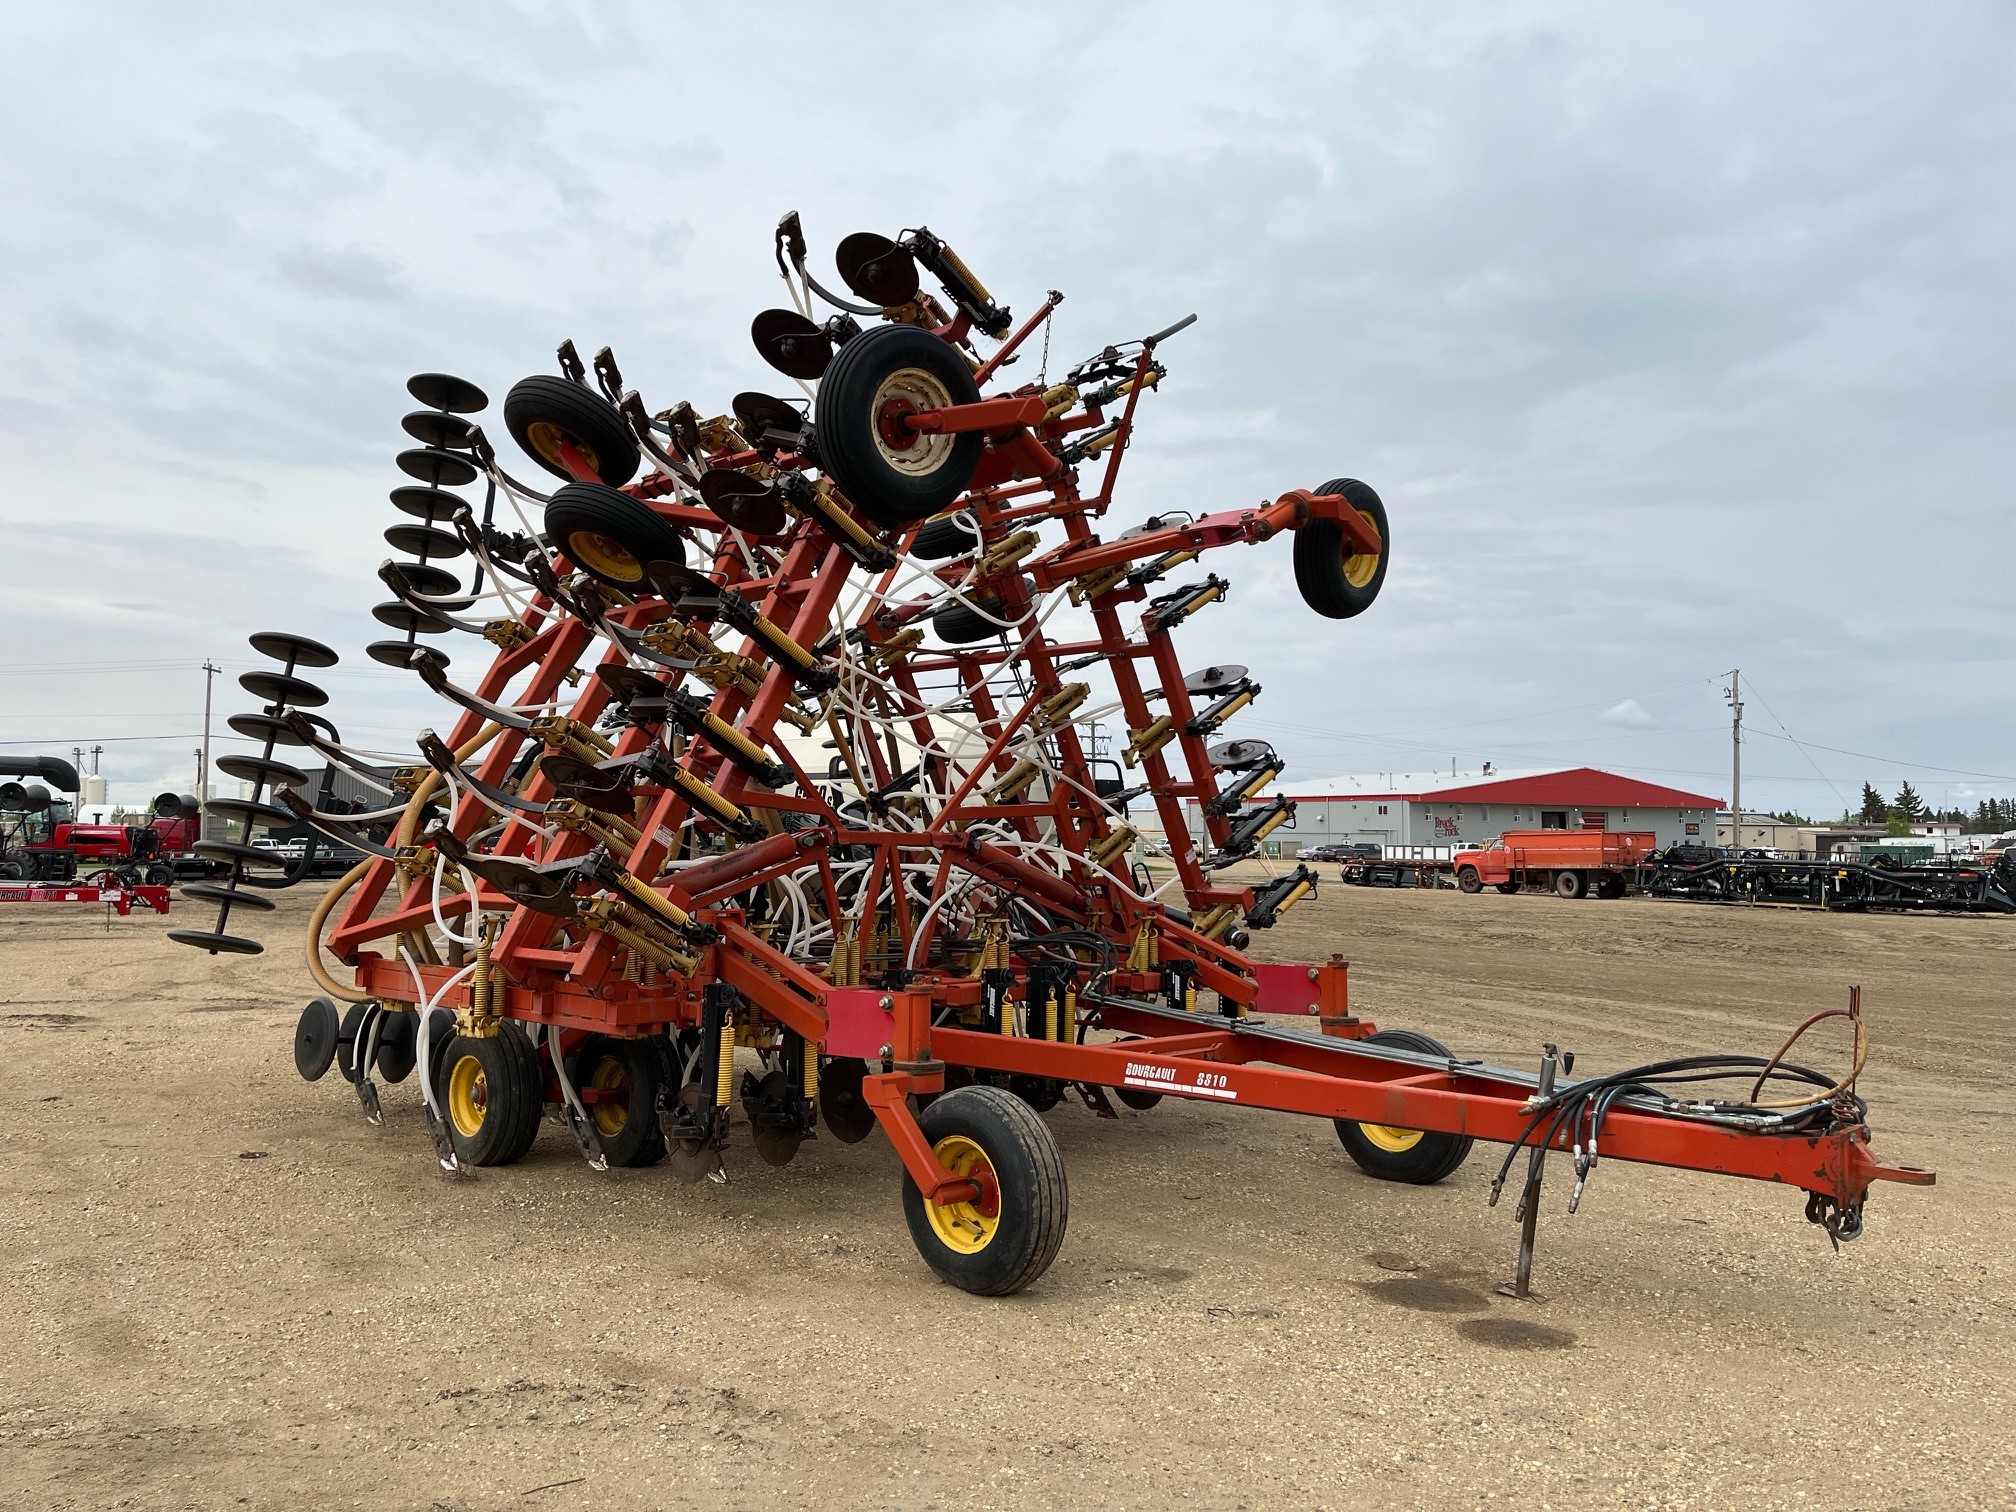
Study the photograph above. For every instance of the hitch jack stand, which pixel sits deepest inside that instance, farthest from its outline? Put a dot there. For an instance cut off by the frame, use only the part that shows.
(1521, 1285)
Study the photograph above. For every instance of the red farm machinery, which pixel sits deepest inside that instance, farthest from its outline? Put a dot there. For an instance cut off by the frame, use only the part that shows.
(779, 745)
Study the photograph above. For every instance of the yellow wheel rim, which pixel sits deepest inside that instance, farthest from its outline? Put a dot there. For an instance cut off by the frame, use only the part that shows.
(610, 1116)
(604, 557)
(468, 1096)
(1393, 1141)
(967, 1227)
(1360, 567)
(547, 439)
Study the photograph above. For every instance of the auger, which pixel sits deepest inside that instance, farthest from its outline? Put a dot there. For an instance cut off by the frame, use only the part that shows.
(778, 759)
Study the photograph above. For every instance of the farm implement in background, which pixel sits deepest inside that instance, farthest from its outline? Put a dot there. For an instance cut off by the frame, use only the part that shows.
(778, 741)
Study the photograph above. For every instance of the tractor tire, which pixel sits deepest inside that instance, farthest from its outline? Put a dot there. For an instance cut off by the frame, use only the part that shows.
(1469, 881)
(543, 411)
(631, 1071)
(942, 539)
(611, 536)
(1334, 580)
(894, 476)
(1007, 1237)
(1411, 1156)
(1571, 884)
(487, 1089)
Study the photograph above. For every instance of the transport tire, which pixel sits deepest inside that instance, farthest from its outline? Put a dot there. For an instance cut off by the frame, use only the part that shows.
(1571, 884)
(542, 412)
(1468, 880)
(489, 1095)
(895, 476)
(1336, 581)
(1610, 887)
(611, 536)
(941, 540)
(1007, 1237)
(629, 1073)
(1507, 888)
(1412, 1156)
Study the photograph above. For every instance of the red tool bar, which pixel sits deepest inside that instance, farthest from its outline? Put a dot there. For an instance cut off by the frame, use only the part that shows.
(1365, 1089)
(986, 415)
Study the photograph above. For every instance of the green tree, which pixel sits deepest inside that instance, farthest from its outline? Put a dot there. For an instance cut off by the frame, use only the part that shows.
(1896, 826)
(1874, 809)
(1909, 805)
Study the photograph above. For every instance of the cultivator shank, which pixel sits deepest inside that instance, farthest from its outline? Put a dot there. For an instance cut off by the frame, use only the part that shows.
(776, 786)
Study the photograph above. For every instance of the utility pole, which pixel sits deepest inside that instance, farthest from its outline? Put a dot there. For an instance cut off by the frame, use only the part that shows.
(210, 671)
(1734, 693)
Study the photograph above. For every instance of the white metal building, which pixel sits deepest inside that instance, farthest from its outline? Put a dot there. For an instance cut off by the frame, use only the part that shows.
(1441, 808)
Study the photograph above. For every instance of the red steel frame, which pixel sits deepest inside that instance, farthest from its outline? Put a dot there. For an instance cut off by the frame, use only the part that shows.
(919, 1025)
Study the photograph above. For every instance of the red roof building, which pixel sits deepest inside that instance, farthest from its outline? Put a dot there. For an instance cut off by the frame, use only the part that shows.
(1461, 809)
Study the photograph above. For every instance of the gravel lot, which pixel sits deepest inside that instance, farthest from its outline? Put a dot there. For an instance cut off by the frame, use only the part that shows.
(223, 1288)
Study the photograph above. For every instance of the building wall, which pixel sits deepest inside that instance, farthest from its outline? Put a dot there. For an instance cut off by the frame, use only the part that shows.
(1396, 822)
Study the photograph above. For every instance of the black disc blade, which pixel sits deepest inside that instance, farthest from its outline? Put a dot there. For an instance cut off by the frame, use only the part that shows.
(210, 892)
(265, 769)
(279, 688)
(315, 1039)
(282, 646)
(438, 429)
(1215, 679)
(441, 468)
(407, 620)
(429, 504)
(1240, 755)
(744, 502)
(447, 392)
(791, 343)
(398, 1045)
(404, 654)
(424, 541)
(216, 944)
(877, 269)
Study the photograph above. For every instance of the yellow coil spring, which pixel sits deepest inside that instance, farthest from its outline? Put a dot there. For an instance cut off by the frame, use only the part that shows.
(811, 1073)
(724, 1074)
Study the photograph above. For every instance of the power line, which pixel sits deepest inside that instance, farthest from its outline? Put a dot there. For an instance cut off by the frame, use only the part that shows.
(1918, 766)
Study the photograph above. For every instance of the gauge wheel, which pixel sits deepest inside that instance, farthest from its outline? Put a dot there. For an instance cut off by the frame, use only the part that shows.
(1005, 1235)
(1335, 579)
(490, 1096)
(611, 536)
(1507, 888)
(1390, 1153)
(546, 414)
(618, 1082)
(876, 380)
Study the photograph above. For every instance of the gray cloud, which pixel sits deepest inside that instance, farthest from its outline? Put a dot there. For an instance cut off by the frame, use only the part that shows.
(1674, 342)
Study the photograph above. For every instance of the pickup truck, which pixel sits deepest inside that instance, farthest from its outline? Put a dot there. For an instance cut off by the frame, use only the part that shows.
(1572, 862)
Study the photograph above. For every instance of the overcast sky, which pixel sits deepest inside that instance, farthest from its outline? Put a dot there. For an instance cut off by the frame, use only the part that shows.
(1675, 338)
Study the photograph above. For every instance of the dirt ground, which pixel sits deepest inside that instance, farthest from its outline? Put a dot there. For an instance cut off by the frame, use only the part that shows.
(222, 1288)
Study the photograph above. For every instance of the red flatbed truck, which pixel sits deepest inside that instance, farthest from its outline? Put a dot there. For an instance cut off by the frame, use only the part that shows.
(1572, 862)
